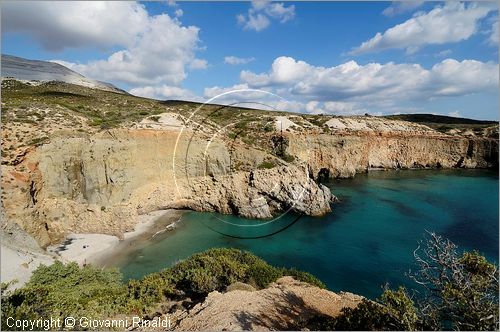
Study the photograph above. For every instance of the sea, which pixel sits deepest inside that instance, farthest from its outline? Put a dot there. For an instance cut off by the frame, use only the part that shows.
(366, 242)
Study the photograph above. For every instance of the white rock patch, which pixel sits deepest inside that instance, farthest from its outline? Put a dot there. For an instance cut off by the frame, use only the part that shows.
(283, 123)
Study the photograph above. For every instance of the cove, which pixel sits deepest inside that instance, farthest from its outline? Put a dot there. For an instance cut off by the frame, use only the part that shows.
(367, 241)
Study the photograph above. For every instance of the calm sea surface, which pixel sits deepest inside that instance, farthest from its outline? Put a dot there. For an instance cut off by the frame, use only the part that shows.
(367, 241)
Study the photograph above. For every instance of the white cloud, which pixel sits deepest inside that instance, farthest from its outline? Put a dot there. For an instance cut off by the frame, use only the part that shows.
(233, 60)
(255, 22)
(334, 107)
(151, 49)
(385, 84)
(280, 12)
(450, 23)
(243, 95)
(261, 12)
(443, 53)
(159, 55)
(179, 12)
(455, 114)
(283, 71)
(400, 7)
(75, 23)
(165, 92)
(198, 64)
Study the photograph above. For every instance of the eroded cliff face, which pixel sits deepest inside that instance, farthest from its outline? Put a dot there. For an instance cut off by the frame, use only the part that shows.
(345, 154)
(100, 182)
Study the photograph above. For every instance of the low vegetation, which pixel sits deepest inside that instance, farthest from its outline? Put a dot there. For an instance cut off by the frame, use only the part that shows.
(62, 290)
(444, 123)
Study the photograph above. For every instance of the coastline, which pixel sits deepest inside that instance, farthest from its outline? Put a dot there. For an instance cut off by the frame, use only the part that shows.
(18, 262)
(100, 249)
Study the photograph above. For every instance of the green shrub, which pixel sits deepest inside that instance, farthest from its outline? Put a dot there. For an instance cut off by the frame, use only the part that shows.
(396, 311)
(266, 165)
(242, 124)
(462, 289)
(96, 122)
(288, 158)
(269, 127)
(262, 274)
(38, 141)
(60, 290)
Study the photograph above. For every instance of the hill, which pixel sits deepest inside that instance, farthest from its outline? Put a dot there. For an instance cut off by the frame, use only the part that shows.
(45, 71)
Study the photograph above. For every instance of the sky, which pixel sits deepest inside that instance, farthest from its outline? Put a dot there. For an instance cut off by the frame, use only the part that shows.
(338, 58)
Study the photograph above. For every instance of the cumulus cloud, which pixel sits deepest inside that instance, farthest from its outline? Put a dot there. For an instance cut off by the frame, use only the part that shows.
(374, 82)
(233, 60)
(261, 12)
(255, 22)
(198, 64)
(150, 49)
(400, 7)
(284, 70)
(158, 55)
(243, 95)
(165, 92)
(76, 24)
(334, 107)
(449, 23)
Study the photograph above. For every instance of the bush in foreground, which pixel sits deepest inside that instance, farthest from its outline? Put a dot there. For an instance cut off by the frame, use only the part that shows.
(63, 290)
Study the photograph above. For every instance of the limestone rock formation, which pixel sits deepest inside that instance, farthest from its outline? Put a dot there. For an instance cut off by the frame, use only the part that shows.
(260, 193)
(65, 171)
(99, 184)
(345, 154)
(285, 305)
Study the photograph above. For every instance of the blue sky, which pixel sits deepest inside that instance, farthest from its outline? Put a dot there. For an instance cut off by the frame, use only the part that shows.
(323, 57)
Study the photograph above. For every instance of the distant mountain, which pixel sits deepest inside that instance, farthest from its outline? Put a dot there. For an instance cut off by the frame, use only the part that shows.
(44, 71)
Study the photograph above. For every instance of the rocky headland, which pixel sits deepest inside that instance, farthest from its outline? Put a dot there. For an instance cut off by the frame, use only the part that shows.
(71, 166)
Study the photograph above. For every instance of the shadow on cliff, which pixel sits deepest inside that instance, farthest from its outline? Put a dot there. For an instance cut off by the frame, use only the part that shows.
(284, 311)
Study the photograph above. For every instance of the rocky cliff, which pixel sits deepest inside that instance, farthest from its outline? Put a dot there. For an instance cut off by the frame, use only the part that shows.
(80, 160)
(344, 154)
(99, 184)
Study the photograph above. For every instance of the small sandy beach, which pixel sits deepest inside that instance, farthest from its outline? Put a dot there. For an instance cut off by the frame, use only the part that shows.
(21, 255)
(97, 248)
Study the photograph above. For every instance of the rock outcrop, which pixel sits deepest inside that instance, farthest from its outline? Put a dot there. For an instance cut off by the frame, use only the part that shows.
(98, 181)
(99, 184)
(285, 305)
(343, 154)
(259, 194)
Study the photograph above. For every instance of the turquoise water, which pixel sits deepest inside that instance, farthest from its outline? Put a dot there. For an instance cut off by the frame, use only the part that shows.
(366, 242)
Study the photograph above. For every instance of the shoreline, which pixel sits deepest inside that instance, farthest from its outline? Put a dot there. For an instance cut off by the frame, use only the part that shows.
(21, 255)
(99, 249)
